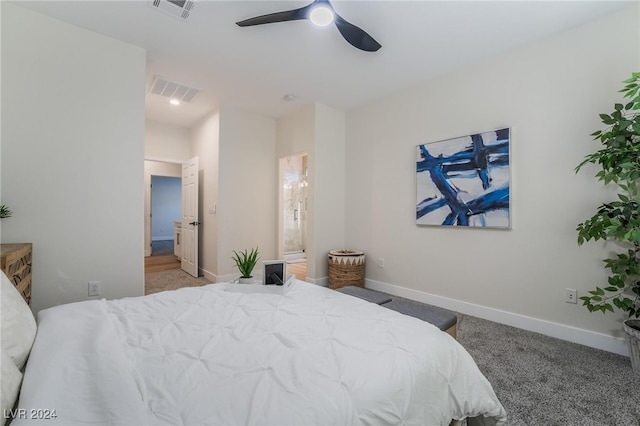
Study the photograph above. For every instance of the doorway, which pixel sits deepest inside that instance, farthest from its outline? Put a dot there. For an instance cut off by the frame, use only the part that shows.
(295, 186)
(166, 213)
(153, 168)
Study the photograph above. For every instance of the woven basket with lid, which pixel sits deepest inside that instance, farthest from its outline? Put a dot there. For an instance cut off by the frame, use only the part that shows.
(346, 267)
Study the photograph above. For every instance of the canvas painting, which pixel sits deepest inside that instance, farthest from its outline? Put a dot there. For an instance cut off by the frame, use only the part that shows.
(465, 181)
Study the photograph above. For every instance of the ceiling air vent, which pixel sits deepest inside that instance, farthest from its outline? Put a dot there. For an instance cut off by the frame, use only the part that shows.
(177, 8)
(170, 89)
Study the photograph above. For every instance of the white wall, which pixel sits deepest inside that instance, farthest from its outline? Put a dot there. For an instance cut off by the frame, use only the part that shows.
(248, 197)
(549, 94)
(72, 107)
(166, 142)
(328, 187)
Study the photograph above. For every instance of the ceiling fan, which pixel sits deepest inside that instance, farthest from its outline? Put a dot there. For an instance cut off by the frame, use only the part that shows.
(321, 11)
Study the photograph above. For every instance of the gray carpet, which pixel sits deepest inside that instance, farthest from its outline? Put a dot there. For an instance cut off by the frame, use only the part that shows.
(545, 381)
(155, 282)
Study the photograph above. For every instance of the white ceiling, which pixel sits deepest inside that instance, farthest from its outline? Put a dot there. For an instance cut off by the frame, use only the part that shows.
(254, 67)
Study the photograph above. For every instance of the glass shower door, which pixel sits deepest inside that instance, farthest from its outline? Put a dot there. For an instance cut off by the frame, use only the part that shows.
(294, 204)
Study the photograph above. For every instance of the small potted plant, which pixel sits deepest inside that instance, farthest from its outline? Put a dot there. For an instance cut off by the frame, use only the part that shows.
(246, 261)
(619, 220)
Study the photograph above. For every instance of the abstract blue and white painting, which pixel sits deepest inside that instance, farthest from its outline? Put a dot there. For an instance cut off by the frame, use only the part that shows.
(465, 181)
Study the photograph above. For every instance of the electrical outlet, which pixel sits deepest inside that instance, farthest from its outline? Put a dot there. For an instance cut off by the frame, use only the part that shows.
(94, 288)
(571, 295)
(381, 262)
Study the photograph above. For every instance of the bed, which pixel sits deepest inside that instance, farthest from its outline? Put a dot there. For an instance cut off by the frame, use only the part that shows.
(206, 355)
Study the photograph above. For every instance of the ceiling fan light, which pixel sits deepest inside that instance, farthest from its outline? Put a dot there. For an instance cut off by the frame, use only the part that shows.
(321, 16)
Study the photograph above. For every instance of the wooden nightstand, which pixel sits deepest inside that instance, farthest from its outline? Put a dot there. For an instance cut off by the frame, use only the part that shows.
(15, 261)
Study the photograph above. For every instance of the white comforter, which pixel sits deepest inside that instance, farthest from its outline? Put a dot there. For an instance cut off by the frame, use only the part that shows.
(208, 356)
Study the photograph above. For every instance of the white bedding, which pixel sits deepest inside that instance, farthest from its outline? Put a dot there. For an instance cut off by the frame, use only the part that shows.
(208, 356)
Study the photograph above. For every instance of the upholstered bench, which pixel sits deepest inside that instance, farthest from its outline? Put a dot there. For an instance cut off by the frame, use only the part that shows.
(372, 296)
(443, 319)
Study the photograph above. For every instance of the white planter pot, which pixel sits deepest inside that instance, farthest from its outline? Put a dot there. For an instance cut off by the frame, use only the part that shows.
(245, 280)
(632, 331)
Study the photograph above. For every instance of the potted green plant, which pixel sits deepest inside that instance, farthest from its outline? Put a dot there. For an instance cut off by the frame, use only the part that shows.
(245, 262)
(619, 220)
(5, 212)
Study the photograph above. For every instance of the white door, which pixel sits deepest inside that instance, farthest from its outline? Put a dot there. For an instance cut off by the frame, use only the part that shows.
(189, 232)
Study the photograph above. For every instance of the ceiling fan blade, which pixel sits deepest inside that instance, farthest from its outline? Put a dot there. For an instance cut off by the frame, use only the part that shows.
(270, 18)
(356, 36)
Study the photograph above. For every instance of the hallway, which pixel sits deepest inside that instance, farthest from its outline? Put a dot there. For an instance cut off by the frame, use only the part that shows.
(299, 269)
(161, 262)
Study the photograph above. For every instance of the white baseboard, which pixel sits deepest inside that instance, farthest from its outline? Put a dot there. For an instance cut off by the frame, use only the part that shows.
(548, 328)
(209, 276)
(324, 282)
(217, 278)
